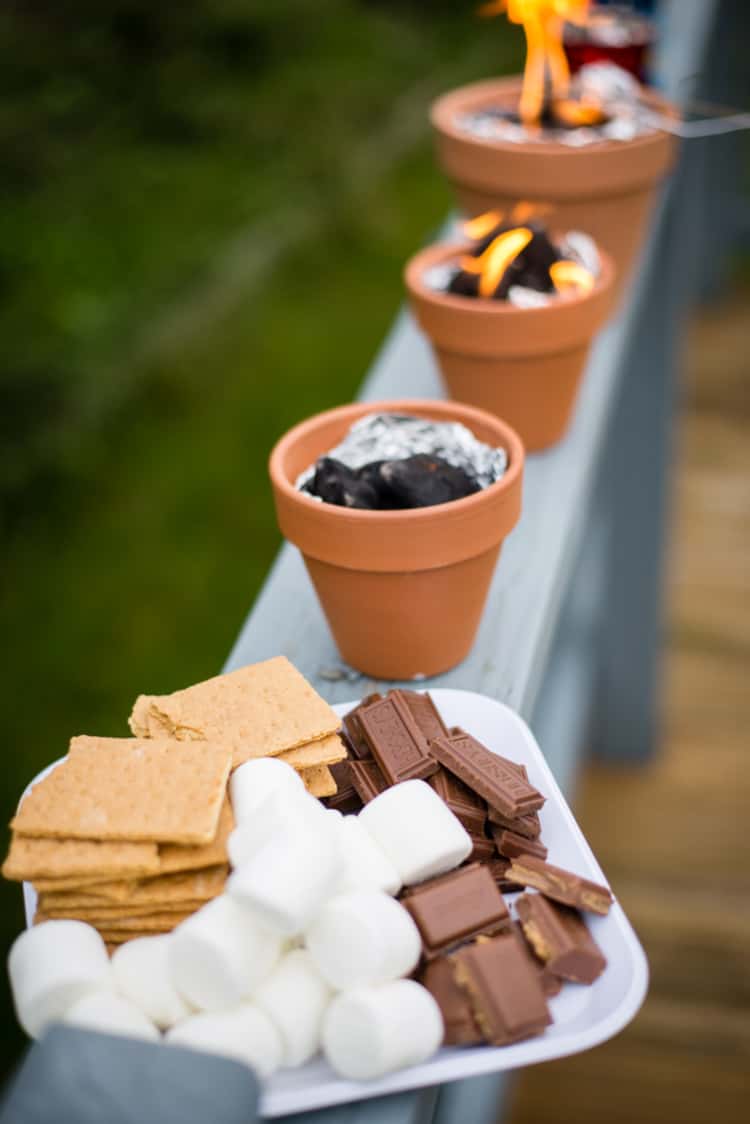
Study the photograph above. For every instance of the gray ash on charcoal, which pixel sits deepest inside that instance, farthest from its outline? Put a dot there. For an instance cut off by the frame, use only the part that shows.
(529, 269)
(390, 462)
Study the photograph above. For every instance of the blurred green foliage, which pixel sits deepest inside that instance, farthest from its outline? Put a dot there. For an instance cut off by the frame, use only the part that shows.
(205, 213)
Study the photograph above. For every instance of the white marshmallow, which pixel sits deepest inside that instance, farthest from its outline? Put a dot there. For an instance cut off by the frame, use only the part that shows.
(253, 783)
(371, 1031)
(53, 965)
(363, 938)
(417, 831)
(285, 883)
(219, 955)
(142, 975)
(244, 1033)
(111, 1014)
(282, 814)
(365, 864)
(295, 997)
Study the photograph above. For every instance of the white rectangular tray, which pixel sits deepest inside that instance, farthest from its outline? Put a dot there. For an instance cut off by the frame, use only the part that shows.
(583, 1016)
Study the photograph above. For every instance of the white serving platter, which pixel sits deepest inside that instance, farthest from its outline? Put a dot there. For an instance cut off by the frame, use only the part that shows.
(583, 1016)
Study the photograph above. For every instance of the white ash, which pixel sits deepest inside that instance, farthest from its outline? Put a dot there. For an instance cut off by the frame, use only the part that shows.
(439, 277)
(581, 248)
(522, 297)
(605, 82)
(390, 437)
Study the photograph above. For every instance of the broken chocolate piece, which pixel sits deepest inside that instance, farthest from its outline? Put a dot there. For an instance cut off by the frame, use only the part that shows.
(367, 779)
(511, 845)
(529, 826)
(460, 1025)
(504, 990)
(551, 984)
(483, 849)
(494, 778)
(423, 711)
(456, 907)
(397, 743)
(466, 806)
(560, 885)
(498, 868)
(355, 739)
(560, 938)
(346, 799)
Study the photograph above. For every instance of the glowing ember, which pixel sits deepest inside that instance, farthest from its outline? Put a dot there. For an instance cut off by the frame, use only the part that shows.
(542, 22)
(492, 264)
(570, 278)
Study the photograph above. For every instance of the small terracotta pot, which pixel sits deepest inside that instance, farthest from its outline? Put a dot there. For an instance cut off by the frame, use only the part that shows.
(403, 591)
(523, 364)
(606, 189)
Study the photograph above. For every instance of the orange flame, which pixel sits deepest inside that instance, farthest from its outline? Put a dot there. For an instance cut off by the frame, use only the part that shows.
(479, 228)
(569, 277)
(492, 264)
(542, 22)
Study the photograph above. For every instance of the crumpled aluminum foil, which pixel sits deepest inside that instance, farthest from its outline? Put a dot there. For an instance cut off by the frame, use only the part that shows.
(385, 437)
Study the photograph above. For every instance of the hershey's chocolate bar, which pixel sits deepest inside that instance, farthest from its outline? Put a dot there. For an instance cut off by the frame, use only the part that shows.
(560, 885)
(367, 779)
(423, 711)
(397, 743)
(510, 845)
(466, 806)
(560, 938)
(504, 990)
(461, 1027)
(456, 907)
(530, 826)
(351, 728)
(551, 984)
(346, 799)
(498, 868)
(495, 779)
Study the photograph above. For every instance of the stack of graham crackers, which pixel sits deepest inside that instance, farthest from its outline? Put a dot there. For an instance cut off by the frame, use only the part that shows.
(129, 834)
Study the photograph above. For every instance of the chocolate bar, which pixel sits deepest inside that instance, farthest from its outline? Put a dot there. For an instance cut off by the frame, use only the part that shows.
(506, 996)
(511, 845)
(346, 799)
(423, 711)
(483, 848)
(456, 907)
(460, 1025)
(559, 937)
(560, 885)
(551, 984)
(529, 826)
(396, 742)
(367, 779)
(494, 779)
(466, 806)
(351, 728)
(498, 868)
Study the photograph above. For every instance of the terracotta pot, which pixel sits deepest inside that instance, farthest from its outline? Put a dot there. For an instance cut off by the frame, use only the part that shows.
(403, 591)
(606, 189)
(523, 364)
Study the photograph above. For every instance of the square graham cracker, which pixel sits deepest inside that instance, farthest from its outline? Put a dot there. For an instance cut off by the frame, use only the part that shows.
(130, 789)
(259, 710)
(201, 885)
(325, 751)
(31, 857)
(319, 781)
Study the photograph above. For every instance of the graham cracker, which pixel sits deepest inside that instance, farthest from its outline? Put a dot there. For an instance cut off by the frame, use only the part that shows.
(31, 857)
(161, 891)
(325, 751)
(86, 885)
(259, 710)
(174, 858)
(130, 789)
(117, 937)
(120, 916)
(319, 781)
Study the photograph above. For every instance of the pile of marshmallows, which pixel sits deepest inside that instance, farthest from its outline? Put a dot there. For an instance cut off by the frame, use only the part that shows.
(306, 948)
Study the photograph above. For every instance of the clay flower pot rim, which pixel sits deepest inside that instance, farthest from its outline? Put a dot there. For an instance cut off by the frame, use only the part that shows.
(425, 407)
(438, 253)
(444, 108)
